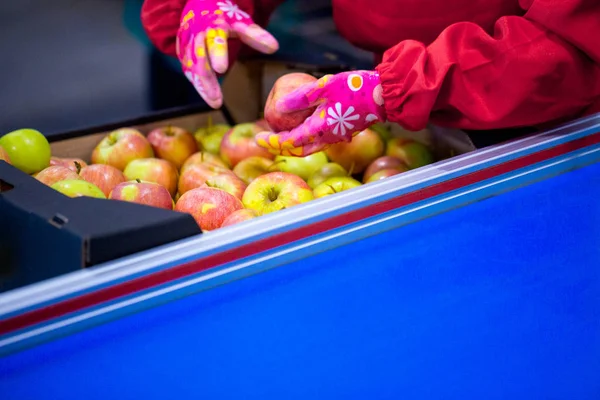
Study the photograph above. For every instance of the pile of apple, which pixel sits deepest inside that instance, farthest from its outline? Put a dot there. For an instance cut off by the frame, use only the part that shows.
(218, 174)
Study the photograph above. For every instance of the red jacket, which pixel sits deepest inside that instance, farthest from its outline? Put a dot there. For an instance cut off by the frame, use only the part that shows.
(469, 64)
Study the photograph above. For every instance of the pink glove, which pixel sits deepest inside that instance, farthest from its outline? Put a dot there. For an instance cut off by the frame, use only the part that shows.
(347, 103)
(202, 42)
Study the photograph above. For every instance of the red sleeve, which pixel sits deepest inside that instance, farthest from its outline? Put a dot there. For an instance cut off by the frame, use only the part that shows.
(161, 18)
(535, 69)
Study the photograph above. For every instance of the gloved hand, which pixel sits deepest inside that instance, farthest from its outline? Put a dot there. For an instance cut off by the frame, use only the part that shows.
(202, 42)
(347, 103)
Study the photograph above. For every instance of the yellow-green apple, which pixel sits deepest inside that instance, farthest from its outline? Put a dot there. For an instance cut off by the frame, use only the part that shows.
(252, 167)
(384, 162)
(383, 131)
(75, 164)
(104, 176)
(239, 143)
(78, 188)
(275, 191)
(56, 173)
(283, 86)
(334, 185)
(195, 175)
(356, 155)
(203, 157)
(382, 174)
(173, 144)
(4, 155)
(238, 216)
(209, 206)
(304, 167)
(411, 152)
(325, 172)
(27, 149)
(227, 182)
(154, 170)
(209, 137)
(141, 192)
(120, 147)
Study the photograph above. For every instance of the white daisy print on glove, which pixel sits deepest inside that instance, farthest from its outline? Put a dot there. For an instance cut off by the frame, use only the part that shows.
(341, 121)
(232, 10)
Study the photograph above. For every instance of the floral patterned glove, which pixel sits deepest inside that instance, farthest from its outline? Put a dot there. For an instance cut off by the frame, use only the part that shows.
(202, 42)
(347, 103)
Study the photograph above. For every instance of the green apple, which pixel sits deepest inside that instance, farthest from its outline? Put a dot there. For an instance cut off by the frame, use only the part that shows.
(77, 188)
(410, 152)
(27, 149)
(325, 172)
(382, 131)
(334, 185)
(303, 167)
(209, 137)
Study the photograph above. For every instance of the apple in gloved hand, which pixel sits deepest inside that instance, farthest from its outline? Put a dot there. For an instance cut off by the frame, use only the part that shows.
(173, 144)
(208, 206)
(120, 147)
(27, 149)
(276, 191)
(238, 143)
(155, 170)
(279, 122)
(304, 167)
(78, 188)
(334, 185)
(148, 193)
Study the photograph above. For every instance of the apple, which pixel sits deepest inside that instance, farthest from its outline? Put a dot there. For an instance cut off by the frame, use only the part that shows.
(304, 167)
(252, 167)
(276, 191)
(334, 185)
(173, 144)
(382, 174)
(104, 176)
(324, 172)
(75, 164)
(283, 86)
(227, 182)
(4, 155)
(203, 157)
(154, 170)
(196, 175)
(356, 155)
(120, 147)
(27, 149)
(238, 216)
(384, 162)
(148, 193)
(263, 124)
(238, 143)
(382, 130)
(208, 206)
(410, 152)
(77, 188)
(209, 138)
(56, 173)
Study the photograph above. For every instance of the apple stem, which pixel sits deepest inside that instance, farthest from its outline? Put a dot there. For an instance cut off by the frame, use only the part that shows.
(138, 181)
(351, 170)
(209, 122)
(77, 167)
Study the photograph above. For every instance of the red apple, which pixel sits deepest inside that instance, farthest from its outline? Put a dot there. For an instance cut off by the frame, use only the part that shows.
(120, 147)
(208, 206)
(148, 193)
(239, 143)
(70, 163)
(410, 152)
(104, 176)
(276, 191)
(239, 216)
(196, 175)
(173, 144)
(203, 157)
(382, 174)
(356, 155)
(283, 86)
(4, 155)
(154, 170)
(263, 125)
(227, 182)
(56, 173)
(252, 167)
(384, 162)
